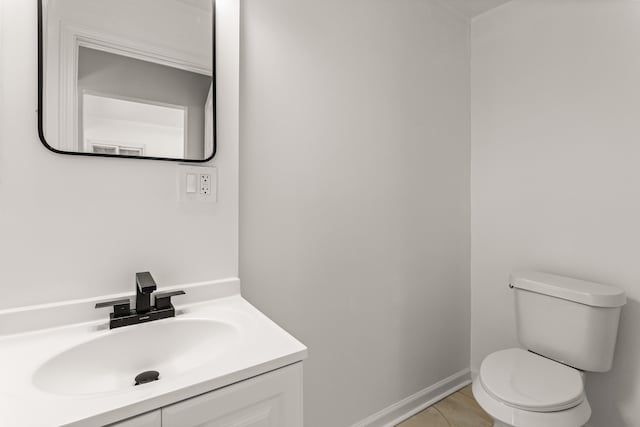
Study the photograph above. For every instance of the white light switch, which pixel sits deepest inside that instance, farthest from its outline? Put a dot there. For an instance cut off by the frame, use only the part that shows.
(192, 183)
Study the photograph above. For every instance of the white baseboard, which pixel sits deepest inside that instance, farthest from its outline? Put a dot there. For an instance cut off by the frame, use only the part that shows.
(408, 407)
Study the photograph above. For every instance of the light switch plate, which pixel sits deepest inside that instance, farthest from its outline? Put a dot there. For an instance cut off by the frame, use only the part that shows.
(203, 178)
(192, 183)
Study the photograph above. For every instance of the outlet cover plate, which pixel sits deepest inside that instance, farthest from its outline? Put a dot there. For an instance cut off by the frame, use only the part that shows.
(199, 196)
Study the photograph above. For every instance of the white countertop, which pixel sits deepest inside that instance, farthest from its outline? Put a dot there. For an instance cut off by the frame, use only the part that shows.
(260, 347)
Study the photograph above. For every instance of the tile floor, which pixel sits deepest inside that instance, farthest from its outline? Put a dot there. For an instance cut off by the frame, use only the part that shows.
(458, 410)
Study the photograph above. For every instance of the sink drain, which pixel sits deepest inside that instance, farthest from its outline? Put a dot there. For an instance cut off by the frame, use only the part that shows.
(147, 377)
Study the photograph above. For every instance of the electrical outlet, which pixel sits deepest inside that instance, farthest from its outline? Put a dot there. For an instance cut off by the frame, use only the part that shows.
(205, 184)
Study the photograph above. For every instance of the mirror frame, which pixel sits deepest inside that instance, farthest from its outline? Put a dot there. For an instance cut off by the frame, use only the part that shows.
(75, 153)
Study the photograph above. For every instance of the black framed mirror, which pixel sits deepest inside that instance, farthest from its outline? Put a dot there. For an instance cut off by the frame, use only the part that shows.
(128, 78)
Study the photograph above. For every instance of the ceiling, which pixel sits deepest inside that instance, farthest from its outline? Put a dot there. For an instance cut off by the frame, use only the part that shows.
(472, 8)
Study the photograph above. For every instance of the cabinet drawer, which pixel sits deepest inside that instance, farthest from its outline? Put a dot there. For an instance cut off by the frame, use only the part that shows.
(151, 419)
(270, 400)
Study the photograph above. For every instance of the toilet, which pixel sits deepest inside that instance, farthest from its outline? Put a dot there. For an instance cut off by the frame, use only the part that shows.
(567, 327)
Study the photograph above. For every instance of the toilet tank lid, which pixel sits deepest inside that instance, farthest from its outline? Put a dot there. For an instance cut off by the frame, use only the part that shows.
(580, 291)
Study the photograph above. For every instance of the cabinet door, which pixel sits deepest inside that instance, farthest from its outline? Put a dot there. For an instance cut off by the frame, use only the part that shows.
(151, 419)
(270, 400)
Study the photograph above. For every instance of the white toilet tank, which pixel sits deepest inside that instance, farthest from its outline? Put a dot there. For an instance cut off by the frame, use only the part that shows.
(568, 320)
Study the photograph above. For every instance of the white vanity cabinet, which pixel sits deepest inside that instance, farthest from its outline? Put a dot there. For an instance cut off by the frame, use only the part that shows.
(273, 399)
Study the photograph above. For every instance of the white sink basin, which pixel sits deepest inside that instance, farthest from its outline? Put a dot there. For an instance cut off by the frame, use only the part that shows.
(110, 362)
(82, 374)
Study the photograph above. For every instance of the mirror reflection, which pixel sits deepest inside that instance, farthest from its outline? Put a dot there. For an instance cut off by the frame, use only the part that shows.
(128, 78)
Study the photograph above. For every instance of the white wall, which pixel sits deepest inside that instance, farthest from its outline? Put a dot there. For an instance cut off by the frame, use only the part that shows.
(73, 227)
(355, 193)
(555, 169)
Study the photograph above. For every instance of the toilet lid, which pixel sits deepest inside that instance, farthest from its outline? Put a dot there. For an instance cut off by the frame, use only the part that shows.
(531, 382)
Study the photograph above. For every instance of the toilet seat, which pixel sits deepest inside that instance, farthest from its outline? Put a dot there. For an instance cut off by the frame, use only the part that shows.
(530, 382)
(572, 417)
(523, 389)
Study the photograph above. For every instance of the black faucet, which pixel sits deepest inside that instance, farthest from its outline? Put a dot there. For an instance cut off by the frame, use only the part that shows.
(123, 315)
(145, 286)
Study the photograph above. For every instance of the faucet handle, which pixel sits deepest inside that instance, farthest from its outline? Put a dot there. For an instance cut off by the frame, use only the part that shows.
(121, 307)
(163, 299)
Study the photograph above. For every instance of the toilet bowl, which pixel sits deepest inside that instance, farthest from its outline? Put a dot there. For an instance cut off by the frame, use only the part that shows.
(522, 389)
